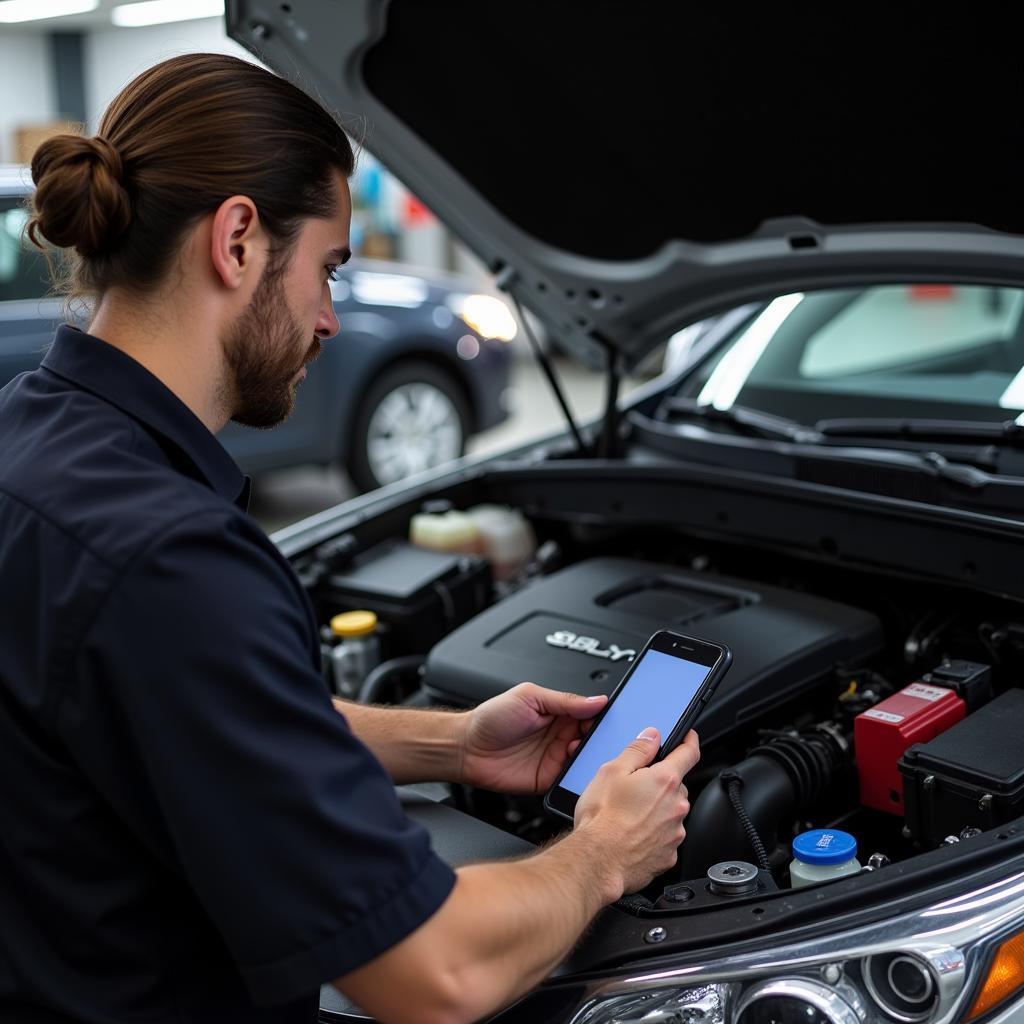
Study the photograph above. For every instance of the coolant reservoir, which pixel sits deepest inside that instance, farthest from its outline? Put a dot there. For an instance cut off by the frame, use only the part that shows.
(451, 532)
(507, 538)
(823, 855)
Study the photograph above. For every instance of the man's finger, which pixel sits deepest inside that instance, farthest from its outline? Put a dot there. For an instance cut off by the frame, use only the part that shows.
(557, 702)
(641, 751)
(685, 756)
(582, 708)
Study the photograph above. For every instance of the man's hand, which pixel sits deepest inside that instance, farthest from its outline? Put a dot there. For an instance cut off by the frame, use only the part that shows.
(633, 810)
(519, 741)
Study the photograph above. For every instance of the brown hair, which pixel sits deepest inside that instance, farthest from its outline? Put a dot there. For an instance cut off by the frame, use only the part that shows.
(172, 146)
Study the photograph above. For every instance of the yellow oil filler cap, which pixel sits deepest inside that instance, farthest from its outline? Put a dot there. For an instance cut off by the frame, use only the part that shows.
(350, 624)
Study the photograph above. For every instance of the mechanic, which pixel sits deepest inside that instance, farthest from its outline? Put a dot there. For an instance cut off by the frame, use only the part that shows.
(190, 831)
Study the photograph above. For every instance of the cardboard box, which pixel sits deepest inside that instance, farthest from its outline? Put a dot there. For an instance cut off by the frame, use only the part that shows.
(28, 137)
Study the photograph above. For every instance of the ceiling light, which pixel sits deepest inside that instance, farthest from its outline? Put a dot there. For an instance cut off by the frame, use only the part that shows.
(157, 12)
(12, 11)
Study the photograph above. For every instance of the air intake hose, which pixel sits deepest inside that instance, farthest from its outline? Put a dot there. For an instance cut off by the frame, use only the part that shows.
(739, 815)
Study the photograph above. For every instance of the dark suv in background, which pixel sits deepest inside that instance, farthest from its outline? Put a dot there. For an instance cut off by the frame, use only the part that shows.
(420, 365)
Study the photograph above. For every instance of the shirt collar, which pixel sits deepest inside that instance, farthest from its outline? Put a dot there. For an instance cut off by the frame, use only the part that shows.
(114, 376)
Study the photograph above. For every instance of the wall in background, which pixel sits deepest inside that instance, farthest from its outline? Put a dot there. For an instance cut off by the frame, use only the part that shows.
(26, 87)
(114, 56)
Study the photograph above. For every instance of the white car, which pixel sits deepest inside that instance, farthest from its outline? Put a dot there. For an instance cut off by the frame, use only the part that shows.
(831, 483)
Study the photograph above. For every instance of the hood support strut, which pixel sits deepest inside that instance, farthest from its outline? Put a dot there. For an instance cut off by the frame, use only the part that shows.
(503, 279)
(608, 446)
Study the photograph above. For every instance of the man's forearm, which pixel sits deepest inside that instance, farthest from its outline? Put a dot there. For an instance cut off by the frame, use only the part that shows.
(502, 930)
(413, 745)
(522, 918)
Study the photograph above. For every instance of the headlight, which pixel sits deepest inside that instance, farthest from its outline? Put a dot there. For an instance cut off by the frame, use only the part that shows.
(706, 1004)
(1005, 977)
(487, 315)
(902, 986)
(799, 1001)
(958, 960)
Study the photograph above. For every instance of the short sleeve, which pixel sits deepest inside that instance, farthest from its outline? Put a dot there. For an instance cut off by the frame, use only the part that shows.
(220, 749)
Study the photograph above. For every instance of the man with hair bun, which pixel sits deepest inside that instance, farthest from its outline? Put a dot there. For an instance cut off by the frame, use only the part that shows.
(190, 830)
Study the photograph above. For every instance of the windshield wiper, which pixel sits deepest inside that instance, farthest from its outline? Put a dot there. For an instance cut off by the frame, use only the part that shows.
(972, 442)
(744, 420)
(809, 455)
(779, 428)
(1008, 433)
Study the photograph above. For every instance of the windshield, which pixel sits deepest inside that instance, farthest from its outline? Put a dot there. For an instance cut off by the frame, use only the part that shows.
(905, 351)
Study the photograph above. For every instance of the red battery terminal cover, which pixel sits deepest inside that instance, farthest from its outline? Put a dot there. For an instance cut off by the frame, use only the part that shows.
(917, 714)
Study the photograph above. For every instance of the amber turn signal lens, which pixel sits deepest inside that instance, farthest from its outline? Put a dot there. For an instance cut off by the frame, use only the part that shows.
(1005, 976)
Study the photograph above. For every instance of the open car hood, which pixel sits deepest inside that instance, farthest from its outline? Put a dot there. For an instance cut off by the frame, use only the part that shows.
(626, 168)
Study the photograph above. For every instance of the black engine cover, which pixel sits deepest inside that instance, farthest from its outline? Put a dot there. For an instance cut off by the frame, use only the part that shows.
(578, 629)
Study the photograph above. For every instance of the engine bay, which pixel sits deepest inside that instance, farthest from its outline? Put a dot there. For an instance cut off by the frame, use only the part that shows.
(885, 709)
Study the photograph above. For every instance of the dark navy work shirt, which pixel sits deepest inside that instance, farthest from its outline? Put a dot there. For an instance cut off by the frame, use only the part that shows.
(188, 830)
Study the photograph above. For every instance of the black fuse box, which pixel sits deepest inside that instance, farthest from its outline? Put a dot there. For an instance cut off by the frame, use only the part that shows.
(972, 775)
(418, 595)
(971, 681)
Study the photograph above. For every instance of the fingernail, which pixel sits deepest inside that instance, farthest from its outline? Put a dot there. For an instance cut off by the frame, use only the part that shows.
(600, 696)
(647, 734)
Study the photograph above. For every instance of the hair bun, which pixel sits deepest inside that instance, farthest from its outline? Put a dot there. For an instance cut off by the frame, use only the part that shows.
(80, 200)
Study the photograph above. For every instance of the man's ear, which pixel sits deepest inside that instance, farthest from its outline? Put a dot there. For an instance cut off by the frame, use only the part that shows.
(236, 240)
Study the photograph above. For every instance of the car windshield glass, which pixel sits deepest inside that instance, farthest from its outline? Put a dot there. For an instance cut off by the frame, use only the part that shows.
(23, 270)
(906, 351)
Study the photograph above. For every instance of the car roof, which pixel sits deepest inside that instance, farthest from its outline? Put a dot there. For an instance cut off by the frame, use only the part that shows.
(15, 180)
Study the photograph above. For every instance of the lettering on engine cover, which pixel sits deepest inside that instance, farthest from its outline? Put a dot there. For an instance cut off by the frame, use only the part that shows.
(589, 645)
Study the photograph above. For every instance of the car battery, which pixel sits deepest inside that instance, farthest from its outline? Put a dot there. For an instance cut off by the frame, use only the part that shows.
(972, 776)
(419, 596)
(918, 713)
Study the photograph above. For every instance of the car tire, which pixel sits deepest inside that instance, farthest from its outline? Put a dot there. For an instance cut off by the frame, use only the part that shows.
(414, 416)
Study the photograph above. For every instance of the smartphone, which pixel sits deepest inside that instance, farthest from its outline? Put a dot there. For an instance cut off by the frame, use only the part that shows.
(667, 686)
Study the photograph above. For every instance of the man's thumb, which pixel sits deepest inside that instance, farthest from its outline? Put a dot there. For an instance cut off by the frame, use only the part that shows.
(641, 751)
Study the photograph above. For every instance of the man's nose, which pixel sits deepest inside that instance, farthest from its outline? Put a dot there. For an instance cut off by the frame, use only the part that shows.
(327, 325)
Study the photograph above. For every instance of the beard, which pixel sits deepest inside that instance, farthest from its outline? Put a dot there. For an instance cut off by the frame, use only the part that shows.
(261, 351)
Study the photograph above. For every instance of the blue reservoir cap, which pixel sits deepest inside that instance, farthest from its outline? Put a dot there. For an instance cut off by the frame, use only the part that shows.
(824, 846)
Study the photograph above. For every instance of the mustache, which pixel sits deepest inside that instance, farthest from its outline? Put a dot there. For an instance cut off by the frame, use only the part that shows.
(313, 352)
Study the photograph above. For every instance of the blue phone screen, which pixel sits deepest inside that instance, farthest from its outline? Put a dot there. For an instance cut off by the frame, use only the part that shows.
(657, 694)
